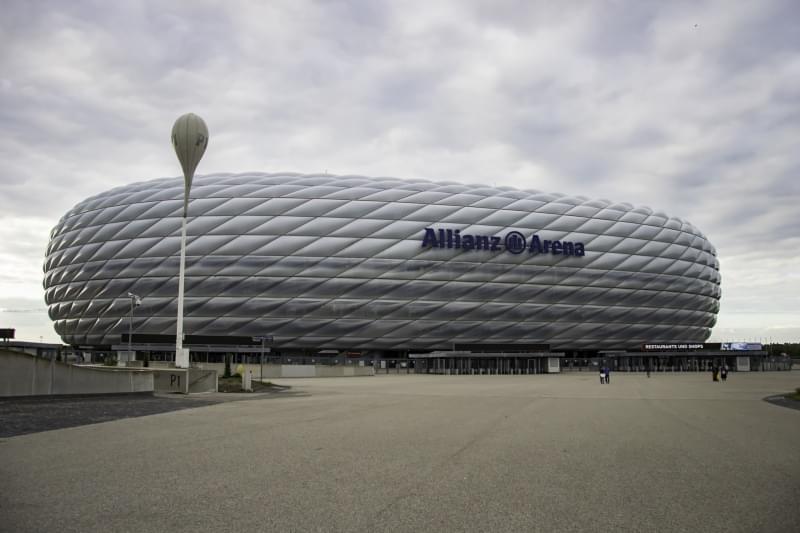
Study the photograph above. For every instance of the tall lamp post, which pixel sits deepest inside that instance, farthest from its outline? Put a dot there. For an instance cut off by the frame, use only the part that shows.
(264, 339)
(136, 301)
(189, 138)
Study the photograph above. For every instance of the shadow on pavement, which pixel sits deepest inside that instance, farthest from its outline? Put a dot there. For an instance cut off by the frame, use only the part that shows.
(21, 416)
(783, 401)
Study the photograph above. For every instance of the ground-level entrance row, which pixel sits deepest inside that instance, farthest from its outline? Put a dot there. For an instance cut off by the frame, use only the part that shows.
(485, 363)
(700, 361)
(549, 362)
(474, 359)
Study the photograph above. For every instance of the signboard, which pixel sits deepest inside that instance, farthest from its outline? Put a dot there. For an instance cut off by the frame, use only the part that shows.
(674, 346)
(742, 346)
(503, 348)
(7, 333)
(189, 340)
(513, 242)
(694, 346)
(170, 380)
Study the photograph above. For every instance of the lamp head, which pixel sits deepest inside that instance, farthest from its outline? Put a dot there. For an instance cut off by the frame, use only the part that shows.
(190, 139)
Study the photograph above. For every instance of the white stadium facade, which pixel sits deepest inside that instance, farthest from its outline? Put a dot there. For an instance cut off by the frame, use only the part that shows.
(325, 263)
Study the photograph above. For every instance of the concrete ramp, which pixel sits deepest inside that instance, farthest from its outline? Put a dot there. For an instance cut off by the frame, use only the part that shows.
(25, 375)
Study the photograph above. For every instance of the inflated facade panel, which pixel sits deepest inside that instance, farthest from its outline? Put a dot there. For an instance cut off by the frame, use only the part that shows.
(349, 262)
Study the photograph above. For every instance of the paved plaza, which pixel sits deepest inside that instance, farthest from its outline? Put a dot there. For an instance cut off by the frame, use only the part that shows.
(675, 452)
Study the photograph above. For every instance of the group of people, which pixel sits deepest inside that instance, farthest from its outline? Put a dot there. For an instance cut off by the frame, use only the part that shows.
(605, 375)
(718, 372)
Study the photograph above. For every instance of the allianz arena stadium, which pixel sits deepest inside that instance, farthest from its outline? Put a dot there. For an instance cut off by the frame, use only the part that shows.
(353, 263)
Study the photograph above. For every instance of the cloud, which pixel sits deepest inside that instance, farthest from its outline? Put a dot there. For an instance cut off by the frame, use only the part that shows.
(690, 108)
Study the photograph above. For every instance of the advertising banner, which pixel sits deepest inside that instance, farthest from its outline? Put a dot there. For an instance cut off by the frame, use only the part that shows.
(742, 346)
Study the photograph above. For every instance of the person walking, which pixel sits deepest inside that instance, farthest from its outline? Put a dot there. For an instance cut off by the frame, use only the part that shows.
(602, 374)
(723, 373)
(608, 375)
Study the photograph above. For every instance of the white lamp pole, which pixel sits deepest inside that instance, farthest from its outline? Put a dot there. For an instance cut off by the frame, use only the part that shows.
(189, 138)
(136, 301)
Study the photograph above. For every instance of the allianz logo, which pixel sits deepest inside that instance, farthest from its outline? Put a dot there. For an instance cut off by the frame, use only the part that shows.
(513, 242)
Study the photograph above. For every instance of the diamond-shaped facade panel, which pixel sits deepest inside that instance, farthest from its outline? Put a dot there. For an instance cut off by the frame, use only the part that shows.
(349, 262)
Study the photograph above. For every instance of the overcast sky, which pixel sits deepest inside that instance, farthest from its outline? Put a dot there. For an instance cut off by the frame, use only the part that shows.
(692, 108)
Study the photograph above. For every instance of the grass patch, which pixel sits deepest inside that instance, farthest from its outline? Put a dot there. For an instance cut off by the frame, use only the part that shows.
(795, 395)
(234, 384)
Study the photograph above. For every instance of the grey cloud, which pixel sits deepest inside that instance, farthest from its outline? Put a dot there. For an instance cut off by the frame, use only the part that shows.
(623, 100)
(619, 29)
(767, 35)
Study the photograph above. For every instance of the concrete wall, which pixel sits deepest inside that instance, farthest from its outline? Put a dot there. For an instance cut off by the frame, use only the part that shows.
(183, 380)
(201, 380)
(296, 371)
(170, 380)
(24, 375)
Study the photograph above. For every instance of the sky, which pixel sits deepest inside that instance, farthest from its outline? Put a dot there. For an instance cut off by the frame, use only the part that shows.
(692, 108)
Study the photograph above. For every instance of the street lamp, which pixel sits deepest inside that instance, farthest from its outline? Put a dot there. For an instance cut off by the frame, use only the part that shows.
(264, 339)
(136, 301)
(189, 138)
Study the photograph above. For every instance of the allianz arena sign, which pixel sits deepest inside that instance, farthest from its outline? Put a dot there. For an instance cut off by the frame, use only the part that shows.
(513, 242)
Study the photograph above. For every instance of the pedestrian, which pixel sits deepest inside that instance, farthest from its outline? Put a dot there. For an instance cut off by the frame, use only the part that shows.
(608, 375)
(724, 373)
(602, 374)
(714, 373)
(648, 371)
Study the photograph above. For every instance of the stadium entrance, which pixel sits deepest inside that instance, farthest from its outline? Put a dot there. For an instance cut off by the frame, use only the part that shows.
(486, 363)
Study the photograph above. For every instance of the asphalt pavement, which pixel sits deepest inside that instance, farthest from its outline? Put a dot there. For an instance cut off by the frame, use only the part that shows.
(675, 452)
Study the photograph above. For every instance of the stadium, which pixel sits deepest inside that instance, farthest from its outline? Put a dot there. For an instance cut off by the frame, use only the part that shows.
(324, 263)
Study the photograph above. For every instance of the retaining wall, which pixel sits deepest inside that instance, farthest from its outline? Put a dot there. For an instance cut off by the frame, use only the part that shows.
(24, 375)
(295, 371)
